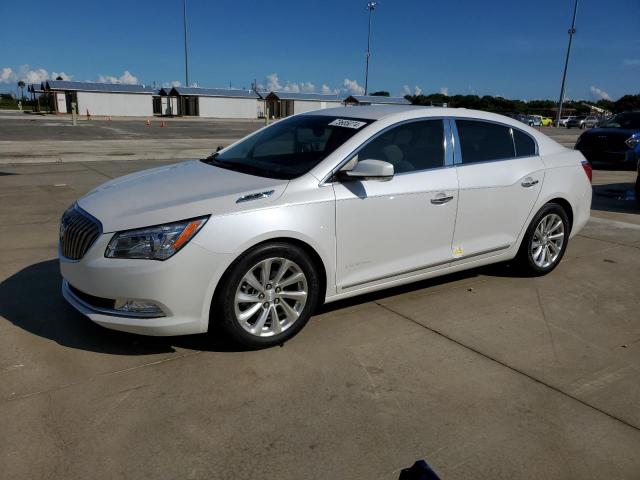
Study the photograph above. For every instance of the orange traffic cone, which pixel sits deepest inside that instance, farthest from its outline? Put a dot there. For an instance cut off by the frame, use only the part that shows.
(148, 122)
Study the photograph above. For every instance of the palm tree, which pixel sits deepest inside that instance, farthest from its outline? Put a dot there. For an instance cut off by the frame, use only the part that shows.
(21, 85)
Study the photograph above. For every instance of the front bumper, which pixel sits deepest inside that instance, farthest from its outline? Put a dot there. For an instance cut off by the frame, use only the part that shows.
(182, 286)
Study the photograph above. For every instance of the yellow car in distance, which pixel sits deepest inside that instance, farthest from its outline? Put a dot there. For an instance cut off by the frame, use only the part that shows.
(546, 121)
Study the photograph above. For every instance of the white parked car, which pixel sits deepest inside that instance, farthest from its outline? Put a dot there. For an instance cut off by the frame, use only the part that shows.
(315, 208)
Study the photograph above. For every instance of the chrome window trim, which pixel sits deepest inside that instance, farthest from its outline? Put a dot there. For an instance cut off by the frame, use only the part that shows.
(459, 159)
(327, 179)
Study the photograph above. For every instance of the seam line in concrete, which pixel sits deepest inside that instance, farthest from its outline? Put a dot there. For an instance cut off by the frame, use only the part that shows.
(513, 369)
(95, 377)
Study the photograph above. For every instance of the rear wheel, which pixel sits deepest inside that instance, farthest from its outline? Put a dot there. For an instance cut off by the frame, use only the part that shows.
(545, 241)
(268, 295)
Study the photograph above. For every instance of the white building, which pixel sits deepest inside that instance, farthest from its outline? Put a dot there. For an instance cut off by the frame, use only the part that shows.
(375, 100)
(216, 102)
(284, 104)
(100, 98)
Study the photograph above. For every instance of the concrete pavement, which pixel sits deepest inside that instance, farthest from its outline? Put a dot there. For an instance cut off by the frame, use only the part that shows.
(484, 374)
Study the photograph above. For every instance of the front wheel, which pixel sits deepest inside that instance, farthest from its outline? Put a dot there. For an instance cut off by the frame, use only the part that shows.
(545, 241)
(268, 295)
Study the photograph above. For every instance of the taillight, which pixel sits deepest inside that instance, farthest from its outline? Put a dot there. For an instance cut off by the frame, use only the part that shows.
(588, 170)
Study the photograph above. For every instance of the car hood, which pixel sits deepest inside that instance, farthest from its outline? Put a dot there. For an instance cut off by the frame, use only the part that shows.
(175, 192)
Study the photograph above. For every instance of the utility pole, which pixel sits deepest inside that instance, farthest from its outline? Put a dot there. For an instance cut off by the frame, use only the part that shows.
(572, 31)
(371, 6)
(186, 52)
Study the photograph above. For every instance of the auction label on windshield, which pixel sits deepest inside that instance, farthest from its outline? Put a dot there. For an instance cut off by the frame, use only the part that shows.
(341, 122)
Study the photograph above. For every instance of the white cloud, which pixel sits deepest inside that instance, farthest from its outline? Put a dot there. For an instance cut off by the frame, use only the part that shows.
(29, 75)
(406, 90)
(126, 78)
(62, 75)
(7, 75)
(631, 62)
(273, 83)
(599, 93)
(327, 90)
(444, 91)
(352, 87)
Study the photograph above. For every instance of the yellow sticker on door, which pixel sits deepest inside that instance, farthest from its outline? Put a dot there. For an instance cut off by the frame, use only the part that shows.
(457, 252)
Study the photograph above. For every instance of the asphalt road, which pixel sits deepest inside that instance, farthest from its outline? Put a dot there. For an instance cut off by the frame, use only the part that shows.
(49, 138)
(484, 374)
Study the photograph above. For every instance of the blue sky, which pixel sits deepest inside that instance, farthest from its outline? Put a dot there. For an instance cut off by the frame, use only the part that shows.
(510, 48)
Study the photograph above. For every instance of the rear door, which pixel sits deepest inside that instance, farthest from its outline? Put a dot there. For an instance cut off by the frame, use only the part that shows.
(500, 176)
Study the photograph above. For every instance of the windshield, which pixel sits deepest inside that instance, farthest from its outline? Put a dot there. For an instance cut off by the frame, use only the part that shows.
(623, 120)
(290, 147)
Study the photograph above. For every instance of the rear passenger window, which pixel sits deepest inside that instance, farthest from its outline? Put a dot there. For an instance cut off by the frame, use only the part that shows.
(483, 141)
(525, 146)
(409, 147)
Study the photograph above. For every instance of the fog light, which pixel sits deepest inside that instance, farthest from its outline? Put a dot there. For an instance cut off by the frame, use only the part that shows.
(139, 307)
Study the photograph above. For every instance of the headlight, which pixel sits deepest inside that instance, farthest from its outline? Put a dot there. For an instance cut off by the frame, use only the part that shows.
(633, 141)
(154, 243)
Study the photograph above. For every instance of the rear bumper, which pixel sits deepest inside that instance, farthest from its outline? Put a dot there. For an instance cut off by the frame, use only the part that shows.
(624, 158)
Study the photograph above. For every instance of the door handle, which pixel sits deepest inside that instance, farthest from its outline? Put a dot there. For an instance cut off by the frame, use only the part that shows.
(441, 200)
(529, 182)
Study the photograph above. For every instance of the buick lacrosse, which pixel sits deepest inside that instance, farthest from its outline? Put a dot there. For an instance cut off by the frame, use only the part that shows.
(315, 208)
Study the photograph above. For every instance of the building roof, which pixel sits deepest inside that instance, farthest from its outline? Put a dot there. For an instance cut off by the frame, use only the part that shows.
(95, 87)
(213, 92)
(369, 99)
(315, 97)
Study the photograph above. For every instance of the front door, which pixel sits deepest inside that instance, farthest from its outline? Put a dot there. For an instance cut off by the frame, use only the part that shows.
(390, 229)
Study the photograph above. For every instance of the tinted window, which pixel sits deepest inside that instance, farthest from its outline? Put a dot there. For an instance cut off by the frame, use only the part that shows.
(409, 147)
(525, 146)
(630, 120)
(290, 147)
(483, 141)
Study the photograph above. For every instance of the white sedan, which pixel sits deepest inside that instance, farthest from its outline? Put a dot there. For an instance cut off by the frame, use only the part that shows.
(315, 208)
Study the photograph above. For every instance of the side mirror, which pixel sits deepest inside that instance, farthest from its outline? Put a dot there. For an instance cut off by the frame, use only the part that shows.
(370, 169)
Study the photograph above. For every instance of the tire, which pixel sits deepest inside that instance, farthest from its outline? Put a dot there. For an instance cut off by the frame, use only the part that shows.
(528, 260)
(274, 310)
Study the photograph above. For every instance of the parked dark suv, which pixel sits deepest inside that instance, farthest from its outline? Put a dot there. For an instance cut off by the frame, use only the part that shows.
(615, 142)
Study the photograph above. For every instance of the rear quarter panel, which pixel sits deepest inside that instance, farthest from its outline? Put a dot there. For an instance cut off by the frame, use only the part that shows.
(565, 178)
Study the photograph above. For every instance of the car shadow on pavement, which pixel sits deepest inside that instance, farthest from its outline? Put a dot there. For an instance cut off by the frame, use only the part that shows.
(31, 299)
(615, 197)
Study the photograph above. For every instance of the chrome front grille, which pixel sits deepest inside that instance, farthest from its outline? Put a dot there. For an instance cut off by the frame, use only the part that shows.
(78, 232)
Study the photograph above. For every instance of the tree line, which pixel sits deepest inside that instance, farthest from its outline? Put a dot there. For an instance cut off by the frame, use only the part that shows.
(537, 107)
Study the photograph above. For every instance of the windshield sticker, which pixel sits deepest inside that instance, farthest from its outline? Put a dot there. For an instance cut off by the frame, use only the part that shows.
(341, 122)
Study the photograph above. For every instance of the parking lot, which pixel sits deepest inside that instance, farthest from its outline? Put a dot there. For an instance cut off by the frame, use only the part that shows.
(484, 374)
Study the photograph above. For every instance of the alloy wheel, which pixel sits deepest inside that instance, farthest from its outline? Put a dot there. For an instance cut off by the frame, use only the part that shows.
(270, 297)
(548, 240)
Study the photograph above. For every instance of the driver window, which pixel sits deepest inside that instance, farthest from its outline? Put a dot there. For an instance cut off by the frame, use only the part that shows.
(409, 147)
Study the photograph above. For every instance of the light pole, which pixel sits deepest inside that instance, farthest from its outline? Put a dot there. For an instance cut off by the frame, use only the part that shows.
(371, 6)
(186, 53)
(572, 31)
